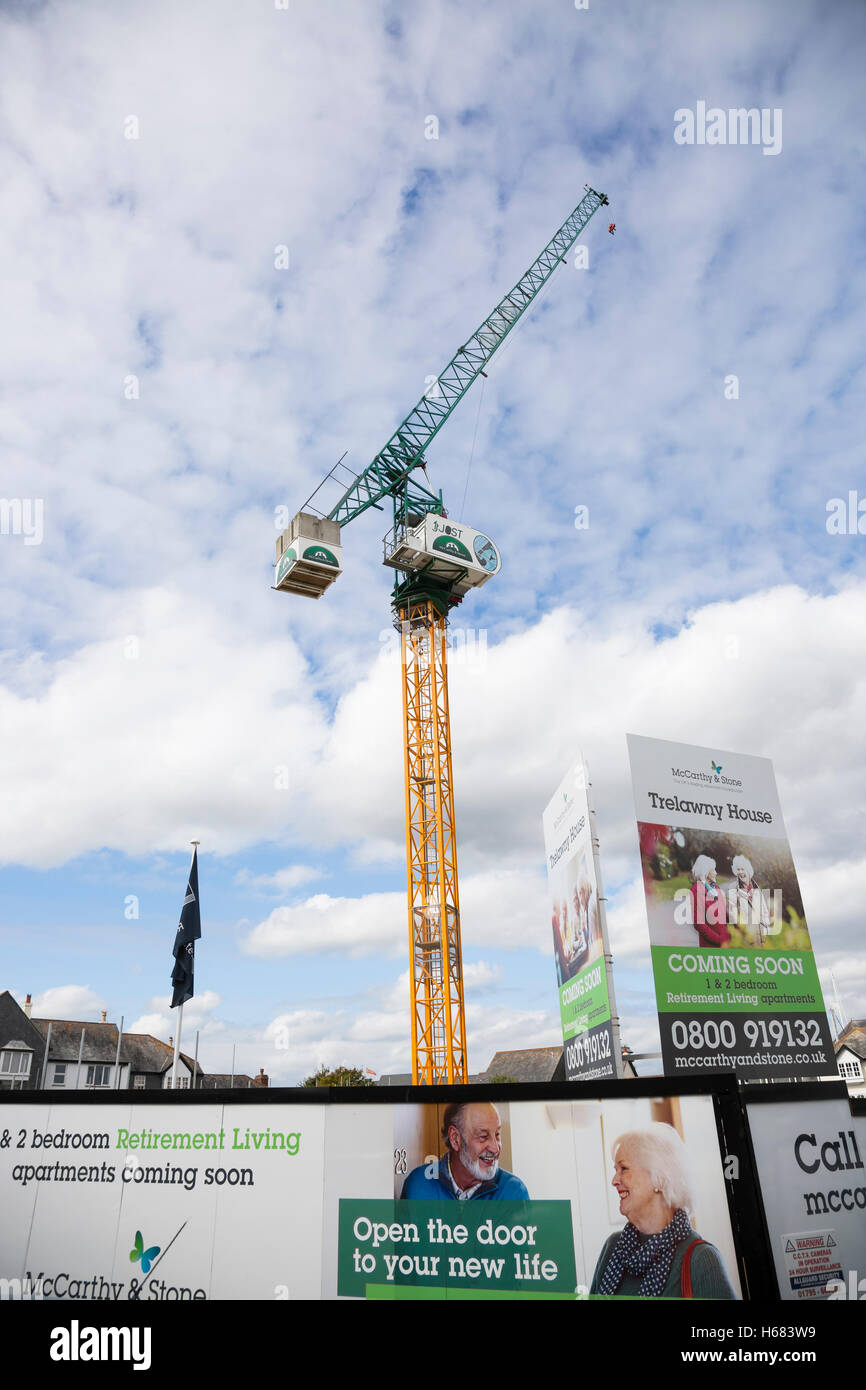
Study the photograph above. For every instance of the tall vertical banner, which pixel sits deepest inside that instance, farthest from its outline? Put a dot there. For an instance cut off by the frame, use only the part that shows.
(735, 974)
(580, 945)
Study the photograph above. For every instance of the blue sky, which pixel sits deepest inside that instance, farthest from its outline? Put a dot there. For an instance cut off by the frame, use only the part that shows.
(165, 388)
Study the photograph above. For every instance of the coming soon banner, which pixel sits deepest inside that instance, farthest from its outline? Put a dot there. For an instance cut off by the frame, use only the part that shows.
(582, 955)
(735, 974)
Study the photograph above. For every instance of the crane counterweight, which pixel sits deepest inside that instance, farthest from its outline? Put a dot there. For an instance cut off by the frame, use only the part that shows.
(309, 556)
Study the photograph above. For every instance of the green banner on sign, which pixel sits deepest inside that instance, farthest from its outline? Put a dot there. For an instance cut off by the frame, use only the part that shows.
(584, 1001)
(717, 980)
(505, 1247)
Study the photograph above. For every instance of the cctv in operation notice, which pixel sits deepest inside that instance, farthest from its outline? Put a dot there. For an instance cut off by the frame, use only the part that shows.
(581, 951)
(735, 974)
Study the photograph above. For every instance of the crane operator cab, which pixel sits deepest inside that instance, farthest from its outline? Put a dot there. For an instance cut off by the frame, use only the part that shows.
(446, 550)
(309, 556)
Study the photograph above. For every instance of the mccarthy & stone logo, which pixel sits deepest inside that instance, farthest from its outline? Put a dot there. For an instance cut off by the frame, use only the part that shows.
(714, 778)
(146, 1257)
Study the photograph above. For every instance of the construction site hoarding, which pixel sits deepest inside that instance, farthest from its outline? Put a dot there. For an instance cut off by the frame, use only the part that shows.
(811, 1160)
(580, 946)
(126, 1200)
(735, 974)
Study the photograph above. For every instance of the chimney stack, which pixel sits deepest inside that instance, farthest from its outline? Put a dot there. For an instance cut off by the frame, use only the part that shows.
(261, 1079)
(28, 1006)
(102, 1019)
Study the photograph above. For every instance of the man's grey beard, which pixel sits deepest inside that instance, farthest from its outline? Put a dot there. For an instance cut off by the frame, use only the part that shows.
(473, 1165)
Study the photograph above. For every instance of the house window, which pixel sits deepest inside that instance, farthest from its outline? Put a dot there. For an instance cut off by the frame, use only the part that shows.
(97, 1076)
(60, 1073)
(138, 1083)
(851, 1071)
(15, 1063)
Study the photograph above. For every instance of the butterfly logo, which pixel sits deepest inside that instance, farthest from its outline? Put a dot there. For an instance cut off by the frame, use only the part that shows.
(716, 767)
(147, 1257)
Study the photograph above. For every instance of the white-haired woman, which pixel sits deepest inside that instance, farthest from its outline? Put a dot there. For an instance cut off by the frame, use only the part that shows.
(747, 904)
(708, 904)
(658, 1254)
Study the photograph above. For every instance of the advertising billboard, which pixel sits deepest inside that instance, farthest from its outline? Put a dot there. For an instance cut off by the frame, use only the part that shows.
(476, 1197)
(584, 979)
(810, 1156)
(735, 975)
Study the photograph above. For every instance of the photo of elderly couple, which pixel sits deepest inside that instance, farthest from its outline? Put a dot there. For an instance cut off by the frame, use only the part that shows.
(710, 889)
(643, 1180)
(577, 937)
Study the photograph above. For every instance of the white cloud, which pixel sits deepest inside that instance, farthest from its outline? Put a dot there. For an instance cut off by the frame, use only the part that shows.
(627, 923)
(357, 926)
(378, 1038)
(71, 1002)
(504, 908)
(281, 881)
(479, 976)
(162, 1021)
(397, 995)
(493, 1028)
(146, 727)
(798, 704)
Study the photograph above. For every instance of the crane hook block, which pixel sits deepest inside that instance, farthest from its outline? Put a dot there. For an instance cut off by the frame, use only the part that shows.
(612, 228)
(309, 556)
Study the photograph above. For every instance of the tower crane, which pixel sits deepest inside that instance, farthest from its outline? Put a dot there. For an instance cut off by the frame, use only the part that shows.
(437, 561)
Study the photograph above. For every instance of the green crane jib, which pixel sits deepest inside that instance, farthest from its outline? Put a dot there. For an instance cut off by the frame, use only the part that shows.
(308, 556)
(404, 452)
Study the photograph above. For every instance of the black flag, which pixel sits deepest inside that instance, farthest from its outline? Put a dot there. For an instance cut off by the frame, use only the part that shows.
(188, 932)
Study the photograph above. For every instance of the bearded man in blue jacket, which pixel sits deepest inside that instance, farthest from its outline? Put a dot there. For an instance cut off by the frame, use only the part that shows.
(469, 1169)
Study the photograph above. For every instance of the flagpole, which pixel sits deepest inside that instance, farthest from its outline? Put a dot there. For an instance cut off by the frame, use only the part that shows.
(176, 1046)
(195, 844)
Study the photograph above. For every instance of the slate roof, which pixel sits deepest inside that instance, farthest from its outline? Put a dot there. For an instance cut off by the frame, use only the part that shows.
(100, 1040)
(145, 1053)
(525, 1064)
(142, 1051)
(539, 1064)
(222, 1081)
(854, 1038)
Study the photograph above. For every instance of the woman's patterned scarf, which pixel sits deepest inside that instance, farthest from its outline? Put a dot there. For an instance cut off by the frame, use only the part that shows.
(652, 1258)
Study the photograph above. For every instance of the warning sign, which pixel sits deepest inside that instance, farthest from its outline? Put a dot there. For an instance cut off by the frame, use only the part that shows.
(811, 1261)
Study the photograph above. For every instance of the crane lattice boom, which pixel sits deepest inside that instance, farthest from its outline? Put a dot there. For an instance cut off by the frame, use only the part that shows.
(405, 449)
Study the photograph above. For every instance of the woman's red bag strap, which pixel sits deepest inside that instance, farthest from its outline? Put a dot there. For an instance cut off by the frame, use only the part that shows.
(686, 1275)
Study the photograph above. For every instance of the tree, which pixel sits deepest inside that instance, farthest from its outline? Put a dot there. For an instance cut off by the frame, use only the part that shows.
(337, 1076)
